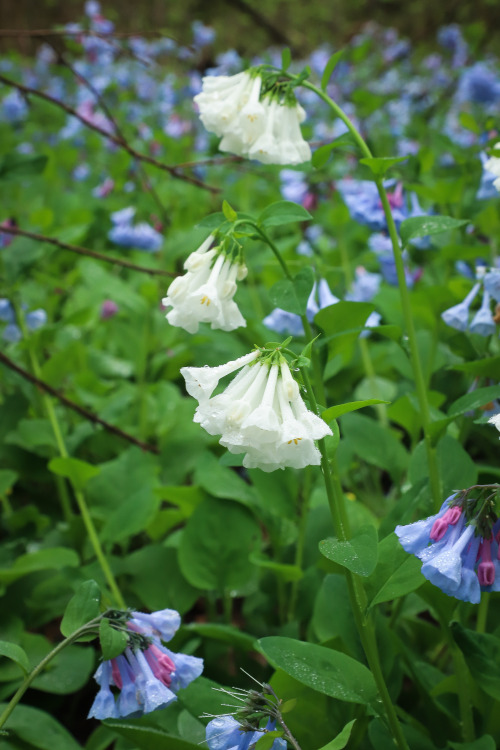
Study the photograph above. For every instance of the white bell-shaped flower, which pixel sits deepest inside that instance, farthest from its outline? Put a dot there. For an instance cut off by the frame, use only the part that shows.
(493, 166)
(205, 293)
(201, 382)
(222, 98)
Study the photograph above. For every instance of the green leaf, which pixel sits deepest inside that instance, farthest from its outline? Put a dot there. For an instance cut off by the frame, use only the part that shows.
(229, 212)
(7, 479)
(113, 642)
(78, 472)
(397, 573)
(282, 570)
(330, 67)
(286, 58)
(359, 554)
(220, 481)
(341, 740)
(380, 164)
(84, 606)
(288, 706)
(488, 367)
(149, 738)
(38, 729)
(330, 672)
(44, 559)
(292, 295)
(265, 742)
(216, 544)
(16, 165)
(321, 155)
(223, 633)
(212, 221)
(16, 653)
(67, 673)
(422, 226)
(374, 444)
(481, 651)
(283, 212)
(466, 120)
(486, 742)
(336, 411)
(474, 400)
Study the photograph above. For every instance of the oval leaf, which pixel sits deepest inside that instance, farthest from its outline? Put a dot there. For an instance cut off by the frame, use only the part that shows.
(78, 472)
(16, 653)
(422, 226)
(292, 295)
(330, 672)
(283, 212)
(113, 642)
(358, 554)
(380, 164)
(84, 606)
(336, 411)
(330, 67)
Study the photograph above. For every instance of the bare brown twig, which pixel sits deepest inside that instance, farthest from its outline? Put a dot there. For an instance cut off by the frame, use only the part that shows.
(27, 90)
(85, 251)
(75, 407)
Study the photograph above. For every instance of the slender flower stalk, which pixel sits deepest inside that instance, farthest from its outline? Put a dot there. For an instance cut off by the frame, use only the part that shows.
(418, 375)
(79, 496)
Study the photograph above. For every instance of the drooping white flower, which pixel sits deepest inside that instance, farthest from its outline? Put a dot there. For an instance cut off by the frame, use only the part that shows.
(205, 293)
(493, 165)
(260, 413)
(253, 125)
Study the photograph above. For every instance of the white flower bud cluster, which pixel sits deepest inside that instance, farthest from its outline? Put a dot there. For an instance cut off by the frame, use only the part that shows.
(205, 293)
(493, 166)
(260, 413)
(263, 129)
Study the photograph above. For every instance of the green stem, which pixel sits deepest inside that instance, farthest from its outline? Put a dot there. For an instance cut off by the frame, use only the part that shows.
(434, 478)
(87, 628)
(79, 497)
(463, 682)
(304, 494)
(357, 594)
(482, 612)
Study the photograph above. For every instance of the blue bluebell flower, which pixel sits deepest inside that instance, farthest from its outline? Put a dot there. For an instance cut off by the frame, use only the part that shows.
(140, 236)
(285, 322)
(225, 733)
(491, 281)
(450, 37)
(203, 35)
(478, 84)
(482, 322)
(458, 315)
(14, 107)
(147, 675)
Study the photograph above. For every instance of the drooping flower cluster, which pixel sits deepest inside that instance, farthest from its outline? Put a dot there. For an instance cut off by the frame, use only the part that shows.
(12, 332)
(458, 546)
(261, 412)
(265, 128)
(147, 675)
(205, 293)
(225, 733)
(483, 322)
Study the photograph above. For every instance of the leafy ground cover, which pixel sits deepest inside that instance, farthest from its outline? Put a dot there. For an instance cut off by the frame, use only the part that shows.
(377, 255)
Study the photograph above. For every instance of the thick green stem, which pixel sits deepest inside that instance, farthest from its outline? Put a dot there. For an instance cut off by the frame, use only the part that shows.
(79, 497)
(357, 594)
(303, 501)
(482, 612)
(87, 628)
(434, 479)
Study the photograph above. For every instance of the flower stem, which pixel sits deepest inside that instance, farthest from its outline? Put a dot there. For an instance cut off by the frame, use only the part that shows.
(482, 612)
(421, 390)
(87, 628)
(79, 497)
(303, 502)
(357, 594)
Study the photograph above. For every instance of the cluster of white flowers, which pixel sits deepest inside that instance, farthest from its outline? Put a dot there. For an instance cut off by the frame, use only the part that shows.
(493, 165)
(265, 129)
(205, 293)
(260, 413)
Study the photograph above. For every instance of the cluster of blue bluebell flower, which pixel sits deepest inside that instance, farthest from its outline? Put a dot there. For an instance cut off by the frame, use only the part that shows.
(225, 733)
(147, 675)
(12, 333)
(459, 545)
(483, 322)
(141, 236)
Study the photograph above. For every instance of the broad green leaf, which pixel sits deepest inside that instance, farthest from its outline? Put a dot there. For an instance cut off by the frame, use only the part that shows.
(67, 673)
(474, 400)
(423, 226)
(149, 738)
(44, 559)
(212, 221)
(380, 164)
(330, 672)
(16, 653)
(229, 211)
(17, 165)
(113, 641)
(78, 472)
(292, 294)
(358, 554)
(330, 67)
(321, 155)
(486, 742)
(283, 212)
(84, 606)
(397, 573)
(456, 467)
(282, 570)
(267, 740)
(38, 729)
(220, 481)
(488, 368)
(374, 444)
(216, 544)
(224, 633)
(286, 58)
(481, 651)
(341, 740)
(336, 411)
(7, 479)
(468, 121)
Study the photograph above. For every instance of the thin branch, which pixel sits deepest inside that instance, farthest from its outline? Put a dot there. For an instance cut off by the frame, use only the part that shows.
(112, 138)
(75, 407)
(85, 251)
